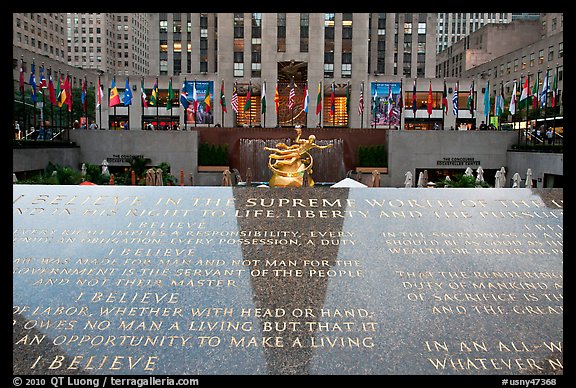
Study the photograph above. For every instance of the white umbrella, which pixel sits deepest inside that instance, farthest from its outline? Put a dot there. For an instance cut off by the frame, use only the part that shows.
(497, 181)
(516, 179)
(502, 177)
(408, 180)
(425, 175)
(447, 179)
(421, 179)
(348, 182)
(528, 178)
(479, 175)
(468, 171)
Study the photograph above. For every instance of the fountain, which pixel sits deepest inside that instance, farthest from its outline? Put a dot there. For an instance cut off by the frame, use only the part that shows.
(328, 163)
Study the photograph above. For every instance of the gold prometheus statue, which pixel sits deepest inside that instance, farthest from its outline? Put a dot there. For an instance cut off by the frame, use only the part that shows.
(289, 164)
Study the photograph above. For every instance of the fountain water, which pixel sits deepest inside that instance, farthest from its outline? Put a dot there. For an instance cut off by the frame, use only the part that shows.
(328, 163)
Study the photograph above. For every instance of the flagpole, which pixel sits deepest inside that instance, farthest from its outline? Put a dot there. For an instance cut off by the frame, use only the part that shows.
(221, 106)
(100, 106)
(59, 106)
(362, 111)
(264, 115)
(157, 103)
(51, 105)
(528, 102)
(545, 92)
(457, 107)
(71, 108)
(114, 78)
(555, 94)
(332, 106)
(42, 107)
(23, 92)
(185, 109)
(171, 119)
(390, 103)
(85, 105)
(401, 107)
(34, 122)
(321, 106)
(444, 96)
(128, 79)
(487, 92)
(195, 105)
(249, 103)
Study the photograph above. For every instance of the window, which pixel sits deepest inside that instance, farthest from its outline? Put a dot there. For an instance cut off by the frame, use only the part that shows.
(541, 57)
(551, 53)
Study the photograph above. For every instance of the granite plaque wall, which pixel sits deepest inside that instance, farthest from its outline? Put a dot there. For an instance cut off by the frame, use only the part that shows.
(237, 280)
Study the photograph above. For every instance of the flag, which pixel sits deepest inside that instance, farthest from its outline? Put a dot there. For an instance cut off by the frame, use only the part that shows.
(143, 96)
(500, 101)
(544, 92)
(21, 84)
(487, 99)
(445, 99)
(306, 99)
(348, 98)
(535, 92)
(170, 95)
(470, 101)
(234, 101)
(524, 95)
(127, 94)
(43, 84)
(32, 82)
(555, 90)
(512, 107)
(51, 91)
(222, 97)
(276, 99)
(184, 102)
(114, 96)
(361, 100)
(429, 107)
(194, 98)
(332, 100)
(455, 101)
(59, 91)
(291, 95)
(414, 102)
(100, 93)
(389, 101)
(68, 88)
(263, 99)
(319, 99)
(248, 102)
(83, 96)
(207, 97)
(154, 94)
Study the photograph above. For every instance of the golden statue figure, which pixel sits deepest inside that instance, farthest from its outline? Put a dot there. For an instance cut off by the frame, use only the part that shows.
(289, 164)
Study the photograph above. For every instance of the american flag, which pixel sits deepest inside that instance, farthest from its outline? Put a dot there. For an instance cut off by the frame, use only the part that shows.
(234, 101)
(361, 100)
(291, 96)
(455, 101)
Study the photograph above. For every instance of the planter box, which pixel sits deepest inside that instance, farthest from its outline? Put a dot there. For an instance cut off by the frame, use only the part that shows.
(368, 170)
(213, 168)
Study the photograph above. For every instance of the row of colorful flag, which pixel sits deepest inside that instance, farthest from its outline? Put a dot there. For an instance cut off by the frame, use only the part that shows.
(61, 94)
(58, 95)
(534, 96)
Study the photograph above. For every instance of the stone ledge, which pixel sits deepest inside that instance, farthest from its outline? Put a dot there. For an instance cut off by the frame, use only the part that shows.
(368, 170)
